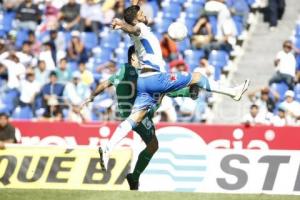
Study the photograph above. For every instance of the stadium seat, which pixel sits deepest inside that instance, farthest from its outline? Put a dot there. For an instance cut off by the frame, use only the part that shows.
(101, 57)
(23, 113)
(198, 2)
(281, 88)
(239, 23)
(90, 40)
(172, 11)
(213, 21)
(194, 11)
(218, 58)
(22, 36)
(192, 58)
(190, 23)
(155, 7)
(8, 18)
(183, 45)
(162, 25)
(297, 92)
(111, 40)
(297, 31)
(72, 66)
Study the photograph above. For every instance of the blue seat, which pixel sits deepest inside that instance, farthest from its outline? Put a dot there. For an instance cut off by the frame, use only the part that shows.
(101, 57)
(281, 88)
(90, 40)
(213, 20)
(194, 11)
(155, 7)
(24, 113)
(72, 66)
(192, 58)
(184, 45)
(162, 25)
(8, 18)
(121, 56)
(297, 92)
(111, 40)
(297, 31)
(218, 58)
(239, 23)
(172, 11)
(22, 36)
(190, 23)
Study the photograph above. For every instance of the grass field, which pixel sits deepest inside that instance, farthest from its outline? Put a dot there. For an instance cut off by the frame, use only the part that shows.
(14, 194)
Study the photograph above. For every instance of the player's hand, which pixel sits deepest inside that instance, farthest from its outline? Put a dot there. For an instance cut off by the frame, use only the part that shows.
(117, 23)
(86, 102)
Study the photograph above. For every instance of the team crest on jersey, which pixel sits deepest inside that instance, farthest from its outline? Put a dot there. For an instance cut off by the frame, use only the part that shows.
(173, 77)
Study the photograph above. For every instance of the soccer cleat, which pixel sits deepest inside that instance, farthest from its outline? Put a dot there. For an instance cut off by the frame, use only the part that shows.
(240, 90)
(133, 184)
(104, 158)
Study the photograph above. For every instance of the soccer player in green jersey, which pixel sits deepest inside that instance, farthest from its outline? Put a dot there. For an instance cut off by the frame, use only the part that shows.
(125, 82)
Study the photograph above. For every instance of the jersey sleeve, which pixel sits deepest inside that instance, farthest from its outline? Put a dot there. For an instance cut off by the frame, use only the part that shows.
(112, 79)
(184, 92)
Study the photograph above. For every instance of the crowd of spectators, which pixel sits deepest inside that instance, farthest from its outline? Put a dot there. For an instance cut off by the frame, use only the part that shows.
(54, 52)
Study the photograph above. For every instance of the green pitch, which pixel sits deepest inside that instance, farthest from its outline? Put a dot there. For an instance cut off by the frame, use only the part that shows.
(14, 194)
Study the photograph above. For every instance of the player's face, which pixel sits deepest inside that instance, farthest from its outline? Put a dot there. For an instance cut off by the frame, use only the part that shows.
(141, 17)
(135, 61)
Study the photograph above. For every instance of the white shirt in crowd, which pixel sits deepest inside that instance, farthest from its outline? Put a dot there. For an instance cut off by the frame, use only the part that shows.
(287, 63)
(28, 90)
(293, 108)
(91, 12)
(278, 121)
(76, 93)
(47, 57)
(16, 72)
(258, 119)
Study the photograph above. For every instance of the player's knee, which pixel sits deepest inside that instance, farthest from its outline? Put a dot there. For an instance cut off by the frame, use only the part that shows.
(153, 146)
(196, 76)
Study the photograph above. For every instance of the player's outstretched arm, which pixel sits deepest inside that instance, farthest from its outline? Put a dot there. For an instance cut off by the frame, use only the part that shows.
(120, 24)
(100, 88)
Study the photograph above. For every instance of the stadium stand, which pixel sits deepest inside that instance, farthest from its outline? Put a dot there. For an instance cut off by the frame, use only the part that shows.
(55, 41)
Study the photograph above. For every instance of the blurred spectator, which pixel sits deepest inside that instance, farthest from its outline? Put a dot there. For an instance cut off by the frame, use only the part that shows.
(10, 42)
(28, 90)
(7, 131)
(285, 64)
(254, 117)
(10, 4)
(52, 92)
(64, 74)
(202, 32)
(262, 98)
(276, 11)
(280, 118)
(3, 47)
(35, 45)
(291, 107)
(41, 73)
(168, 47)
(51, 16)
(47, 56)
(70, 16)
(178, 66)
(28, 15)
(91, 16)
(75, 92)
(118, 8)
(15, 69)
(240, 8)
(76, 49)
(205, 68)
(25, 56)
(53, 112)
(86, 76)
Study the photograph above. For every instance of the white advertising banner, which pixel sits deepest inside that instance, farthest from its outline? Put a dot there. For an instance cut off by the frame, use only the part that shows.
(183, 163)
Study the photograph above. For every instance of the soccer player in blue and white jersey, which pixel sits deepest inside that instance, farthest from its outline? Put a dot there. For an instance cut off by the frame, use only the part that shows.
(153, 81)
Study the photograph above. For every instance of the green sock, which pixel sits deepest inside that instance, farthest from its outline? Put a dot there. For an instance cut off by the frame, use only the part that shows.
(141, 164)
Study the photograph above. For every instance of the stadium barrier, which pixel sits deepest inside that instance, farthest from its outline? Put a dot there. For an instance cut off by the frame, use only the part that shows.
(215, 136)
(61, 168)
(191, 157)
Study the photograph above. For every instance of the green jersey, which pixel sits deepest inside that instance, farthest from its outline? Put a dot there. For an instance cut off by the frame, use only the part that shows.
(125, 83)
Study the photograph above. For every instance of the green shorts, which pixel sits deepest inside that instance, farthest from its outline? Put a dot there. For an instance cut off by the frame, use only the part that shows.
(146, 129)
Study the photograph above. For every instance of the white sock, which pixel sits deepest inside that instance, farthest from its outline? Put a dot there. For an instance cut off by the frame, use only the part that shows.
(217, 87)
(121, 131)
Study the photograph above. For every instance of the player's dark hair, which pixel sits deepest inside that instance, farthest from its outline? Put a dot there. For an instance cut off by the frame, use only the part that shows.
(130, 14)
(3, 114)
(131, 51)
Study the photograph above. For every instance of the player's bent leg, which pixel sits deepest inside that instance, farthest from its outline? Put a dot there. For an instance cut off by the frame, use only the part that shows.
(121, 131)
(216, 87)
